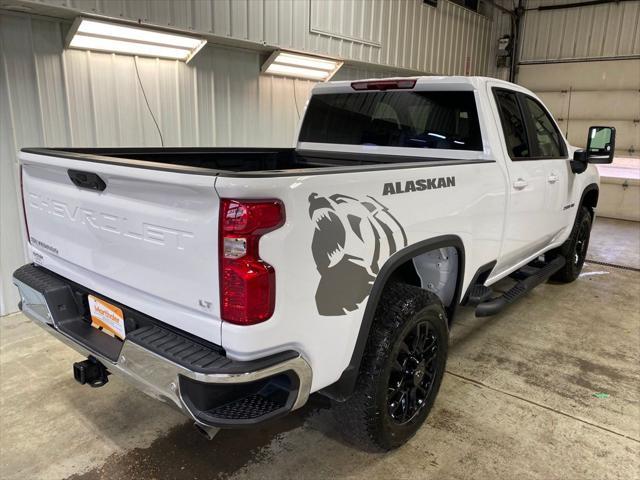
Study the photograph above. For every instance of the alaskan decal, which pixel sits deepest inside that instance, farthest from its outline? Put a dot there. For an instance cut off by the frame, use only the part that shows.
(352, 239)
(419, 185)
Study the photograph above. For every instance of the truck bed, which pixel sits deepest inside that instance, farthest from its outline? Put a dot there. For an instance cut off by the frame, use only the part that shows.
(225, 160)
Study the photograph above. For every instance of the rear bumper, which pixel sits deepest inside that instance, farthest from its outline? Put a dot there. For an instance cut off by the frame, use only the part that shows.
(167, 365)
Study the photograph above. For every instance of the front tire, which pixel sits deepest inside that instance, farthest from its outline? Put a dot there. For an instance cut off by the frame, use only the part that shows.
(574, 249)
(401, 370)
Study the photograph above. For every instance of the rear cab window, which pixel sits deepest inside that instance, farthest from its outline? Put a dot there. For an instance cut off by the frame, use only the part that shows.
(406, 119)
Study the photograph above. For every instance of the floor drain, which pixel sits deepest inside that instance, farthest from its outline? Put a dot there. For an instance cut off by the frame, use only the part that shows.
(613, 265)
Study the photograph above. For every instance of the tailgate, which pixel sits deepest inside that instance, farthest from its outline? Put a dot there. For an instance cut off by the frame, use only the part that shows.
(148, 240)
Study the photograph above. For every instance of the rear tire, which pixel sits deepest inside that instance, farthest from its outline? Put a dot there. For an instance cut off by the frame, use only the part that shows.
(574, 249)
(401, 370)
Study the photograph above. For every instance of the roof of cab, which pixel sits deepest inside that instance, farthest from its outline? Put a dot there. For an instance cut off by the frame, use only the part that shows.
(452, 82)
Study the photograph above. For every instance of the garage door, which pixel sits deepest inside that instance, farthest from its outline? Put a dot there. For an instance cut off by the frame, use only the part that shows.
(581, 94)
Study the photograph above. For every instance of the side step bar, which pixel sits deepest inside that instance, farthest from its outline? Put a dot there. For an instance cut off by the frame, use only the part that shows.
(495, 305)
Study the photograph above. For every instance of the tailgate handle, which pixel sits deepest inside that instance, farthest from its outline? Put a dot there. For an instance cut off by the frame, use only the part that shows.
(87, 180)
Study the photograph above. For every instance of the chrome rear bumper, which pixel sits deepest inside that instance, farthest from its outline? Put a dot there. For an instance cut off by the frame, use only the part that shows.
(158, 376)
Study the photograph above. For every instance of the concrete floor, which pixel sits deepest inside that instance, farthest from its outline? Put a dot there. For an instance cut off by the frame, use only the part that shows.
(616, 242)
(517, 401)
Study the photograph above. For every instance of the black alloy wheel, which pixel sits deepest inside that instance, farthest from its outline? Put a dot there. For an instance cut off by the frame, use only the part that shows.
(412, 374)
(401, 370)
(574, 249)
(582, 242)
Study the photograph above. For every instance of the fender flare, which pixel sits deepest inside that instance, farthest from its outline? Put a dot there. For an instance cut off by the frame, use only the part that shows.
(589, 188)
(344, 386)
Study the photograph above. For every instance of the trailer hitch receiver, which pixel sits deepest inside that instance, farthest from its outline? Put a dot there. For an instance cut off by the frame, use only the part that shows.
(91, 372)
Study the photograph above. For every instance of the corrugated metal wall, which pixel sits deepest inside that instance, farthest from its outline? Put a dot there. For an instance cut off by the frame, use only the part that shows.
(55, 97)
(500, 26)
(596, 31)
(405, 34)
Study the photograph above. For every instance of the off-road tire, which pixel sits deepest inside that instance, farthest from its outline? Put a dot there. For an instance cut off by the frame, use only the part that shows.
(574, 249)
(365, 418)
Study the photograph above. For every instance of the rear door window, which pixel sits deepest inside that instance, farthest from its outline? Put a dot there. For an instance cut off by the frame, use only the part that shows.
(513, 125)
(442, 120)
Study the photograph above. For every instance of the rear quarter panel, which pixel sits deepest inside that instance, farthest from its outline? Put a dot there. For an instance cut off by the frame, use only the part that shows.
(339, 231)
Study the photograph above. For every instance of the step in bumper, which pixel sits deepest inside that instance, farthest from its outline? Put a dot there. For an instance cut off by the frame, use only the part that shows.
(196, 378)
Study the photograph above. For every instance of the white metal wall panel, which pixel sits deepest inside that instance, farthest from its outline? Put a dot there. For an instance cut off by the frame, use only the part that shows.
(589, 32)
(55, 97)
(354, 20)
(500, 26)
(11, 246)
(603, 75)
(405, 34)
(587, 104)
(582, 94)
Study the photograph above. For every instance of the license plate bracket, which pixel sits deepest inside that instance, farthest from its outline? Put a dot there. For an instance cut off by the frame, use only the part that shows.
(106, 317)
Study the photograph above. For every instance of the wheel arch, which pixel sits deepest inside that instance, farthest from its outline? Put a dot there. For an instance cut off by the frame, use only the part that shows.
(344, 386)
(589, 198)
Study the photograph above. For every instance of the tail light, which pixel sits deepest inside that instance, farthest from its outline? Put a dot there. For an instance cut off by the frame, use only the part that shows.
(247, 283)
(24, 206)
(400, 84)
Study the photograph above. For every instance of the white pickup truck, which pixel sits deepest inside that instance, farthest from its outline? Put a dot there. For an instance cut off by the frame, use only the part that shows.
(234, 282)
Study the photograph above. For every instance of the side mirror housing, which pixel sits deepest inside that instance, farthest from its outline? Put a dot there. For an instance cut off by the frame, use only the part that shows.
(579, 162)
(601, 144)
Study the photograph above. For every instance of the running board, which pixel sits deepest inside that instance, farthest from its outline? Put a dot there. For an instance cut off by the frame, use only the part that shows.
(496, 305)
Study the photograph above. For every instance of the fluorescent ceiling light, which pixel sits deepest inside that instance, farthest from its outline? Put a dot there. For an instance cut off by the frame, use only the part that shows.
(289, 71)
(103, 36)
(290, 64)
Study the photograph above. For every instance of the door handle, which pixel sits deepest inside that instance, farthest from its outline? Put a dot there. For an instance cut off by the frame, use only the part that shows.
(553, 178)
(520, 183)
(88, 180)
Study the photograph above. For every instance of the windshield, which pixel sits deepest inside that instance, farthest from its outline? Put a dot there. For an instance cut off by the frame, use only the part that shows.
(434, 119)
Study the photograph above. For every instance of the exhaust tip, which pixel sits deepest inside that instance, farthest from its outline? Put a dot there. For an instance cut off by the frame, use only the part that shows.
(207, 432)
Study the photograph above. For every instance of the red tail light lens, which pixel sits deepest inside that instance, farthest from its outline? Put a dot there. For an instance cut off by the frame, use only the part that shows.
(247, 283)
(24, 206)
(401, 84)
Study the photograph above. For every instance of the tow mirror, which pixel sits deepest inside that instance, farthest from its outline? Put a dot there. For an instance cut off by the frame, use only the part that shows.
(601, 144)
